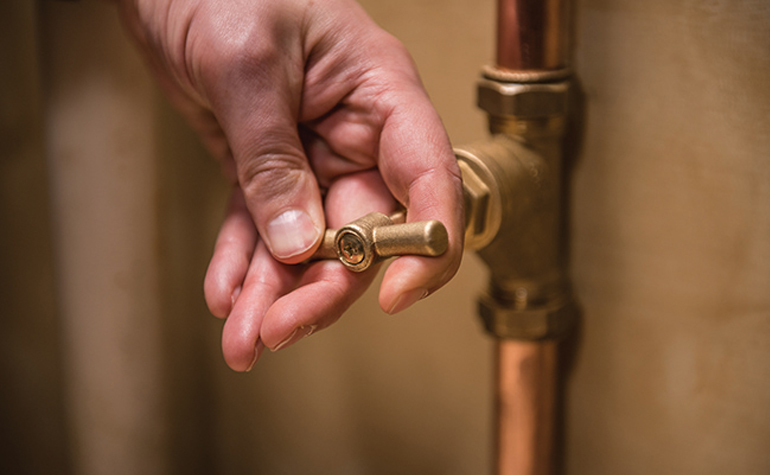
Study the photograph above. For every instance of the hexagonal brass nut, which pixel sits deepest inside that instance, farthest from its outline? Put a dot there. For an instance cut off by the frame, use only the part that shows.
(523, 100)
(481, 201)
(550, 321)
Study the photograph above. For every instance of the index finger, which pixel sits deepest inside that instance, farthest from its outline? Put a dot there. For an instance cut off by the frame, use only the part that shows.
(420, 169)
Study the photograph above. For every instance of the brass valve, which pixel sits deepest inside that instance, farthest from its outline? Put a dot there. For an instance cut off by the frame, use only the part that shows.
(375, 237)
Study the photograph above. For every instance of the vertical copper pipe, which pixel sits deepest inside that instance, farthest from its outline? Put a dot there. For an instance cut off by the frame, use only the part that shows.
(525, 395)
(532, 35)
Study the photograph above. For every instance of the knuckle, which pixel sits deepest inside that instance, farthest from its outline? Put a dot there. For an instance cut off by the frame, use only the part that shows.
(271, 174)
(233, 49)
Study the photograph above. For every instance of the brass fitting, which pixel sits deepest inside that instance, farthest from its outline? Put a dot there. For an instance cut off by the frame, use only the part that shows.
(526, 313)
(481, 196)
(513, 209)
(528, 112)
(523, 101)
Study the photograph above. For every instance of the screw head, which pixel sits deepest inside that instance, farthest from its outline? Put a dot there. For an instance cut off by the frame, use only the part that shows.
(351, 248)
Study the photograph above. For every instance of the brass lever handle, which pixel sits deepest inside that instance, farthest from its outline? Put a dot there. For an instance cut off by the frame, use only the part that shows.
(375, 237)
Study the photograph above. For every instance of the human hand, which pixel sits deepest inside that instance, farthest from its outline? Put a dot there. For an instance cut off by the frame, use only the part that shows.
(296, 97)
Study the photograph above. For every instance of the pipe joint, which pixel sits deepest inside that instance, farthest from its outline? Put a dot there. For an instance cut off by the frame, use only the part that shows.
(523, 100)
(516, 319)
(513, 201)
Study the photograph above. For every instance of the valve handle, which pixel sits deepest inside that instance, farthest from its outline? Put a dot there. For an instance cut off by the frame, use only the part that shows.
(375, 237)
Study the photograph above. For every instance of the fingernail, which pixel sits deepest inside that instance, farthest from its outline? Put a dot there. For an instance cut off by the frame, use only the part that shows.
(292, 233)
(407, 299)
(298, 334)
(257, 353)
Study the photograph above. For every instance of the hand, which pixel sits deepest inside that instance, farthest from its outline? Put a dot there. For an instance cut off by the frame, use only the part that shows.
(299, 99)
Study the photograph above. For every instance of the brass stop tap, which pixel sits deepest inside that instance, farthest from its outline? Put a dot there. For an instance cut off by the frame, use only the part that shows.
(376, 237)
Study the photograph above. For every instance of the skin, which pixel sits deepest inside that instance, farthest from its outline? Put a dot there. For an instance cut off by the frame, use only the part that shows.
(318, 117)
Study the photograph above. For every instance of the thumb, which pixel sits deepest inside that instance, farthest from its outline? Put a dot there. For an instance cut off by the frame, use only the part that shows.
(254, 88)
(281, 193)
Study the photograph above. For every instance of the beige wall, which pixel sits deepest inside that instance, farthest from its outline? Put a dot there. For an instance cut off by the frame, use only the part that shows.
(670, 252)
(671, 239)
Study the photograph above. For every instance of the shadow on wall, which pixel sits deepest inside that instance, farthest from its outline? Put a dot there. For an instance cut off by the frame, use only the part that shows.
(32, 423)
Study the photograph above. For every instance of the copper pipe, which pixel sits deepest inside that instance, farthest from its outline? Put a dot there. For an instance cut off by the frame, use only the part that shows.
(532, 49)
(532, 35)
(525, 395)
